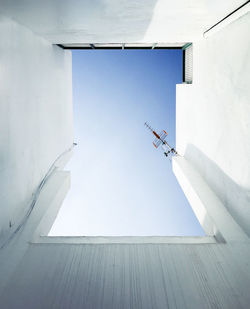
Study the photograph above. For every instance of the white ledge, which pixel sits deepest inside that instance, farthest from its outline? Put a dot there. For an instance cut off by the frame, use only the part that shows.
(125, 240)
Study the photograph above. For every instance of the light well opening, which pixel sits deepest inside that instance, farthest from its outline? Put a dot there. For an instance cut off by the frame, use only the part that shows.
(122, 185)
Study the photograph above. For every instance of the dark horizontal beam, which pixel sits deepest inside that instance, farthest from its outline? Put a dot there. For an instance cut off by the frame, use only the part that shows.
(116, 47)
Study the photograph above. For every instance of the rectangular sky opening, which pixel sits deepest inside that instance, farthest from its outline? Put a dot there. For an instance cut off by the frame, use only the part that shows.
(120, 184)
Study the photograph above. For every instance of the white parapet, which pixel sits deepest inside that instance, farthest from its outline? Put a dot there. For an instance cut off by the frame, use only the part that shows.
(211, 213)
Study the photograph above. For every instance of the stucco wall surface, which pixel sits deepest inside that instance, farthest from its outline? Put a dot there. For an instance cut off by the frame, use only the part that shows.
(131, 276)
(35, 116)
(118, 275)
(212, 133)
(213, 122)
(107, 21)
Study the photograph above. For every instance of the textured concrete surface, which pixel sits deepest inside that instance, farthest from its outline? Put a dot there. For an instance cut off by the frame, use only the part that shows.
(213, 123)
(131, 276)
(35, 116)
(107, 21)
(212, 134)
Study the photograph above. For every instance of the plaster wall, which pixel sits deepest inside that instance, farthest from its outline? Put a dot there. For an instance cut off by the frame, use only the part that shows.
(70, 274)
(212, 134)
(35, 116)
(213, 123)
(107, 21)
(131, 276)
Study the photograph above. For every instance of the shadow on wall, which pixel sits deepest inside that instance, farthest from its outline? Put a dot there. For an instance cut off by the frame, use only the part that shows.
(233, 196)
(76, 21)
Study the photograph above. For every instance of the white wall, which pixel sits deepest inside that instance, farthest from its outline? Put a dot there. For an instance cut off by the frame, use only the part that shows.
(212, 133)
(213, 116)
(35, 116)
(145, 276)
(107, 21)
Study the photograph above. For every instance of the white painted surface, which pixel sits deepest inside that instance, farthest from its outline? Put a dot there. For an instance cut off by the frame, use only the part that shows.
(126, 240)
(228, 20)
(107, 21)
(123, 275)
(211, 213)
(52, 195)
(212, 131)
(35, 116)
(131, 276)
(213, 122)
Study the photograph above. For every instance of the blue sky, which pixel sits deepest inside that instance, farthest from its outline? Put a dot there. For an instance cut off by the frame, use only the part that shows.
(120, 184)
